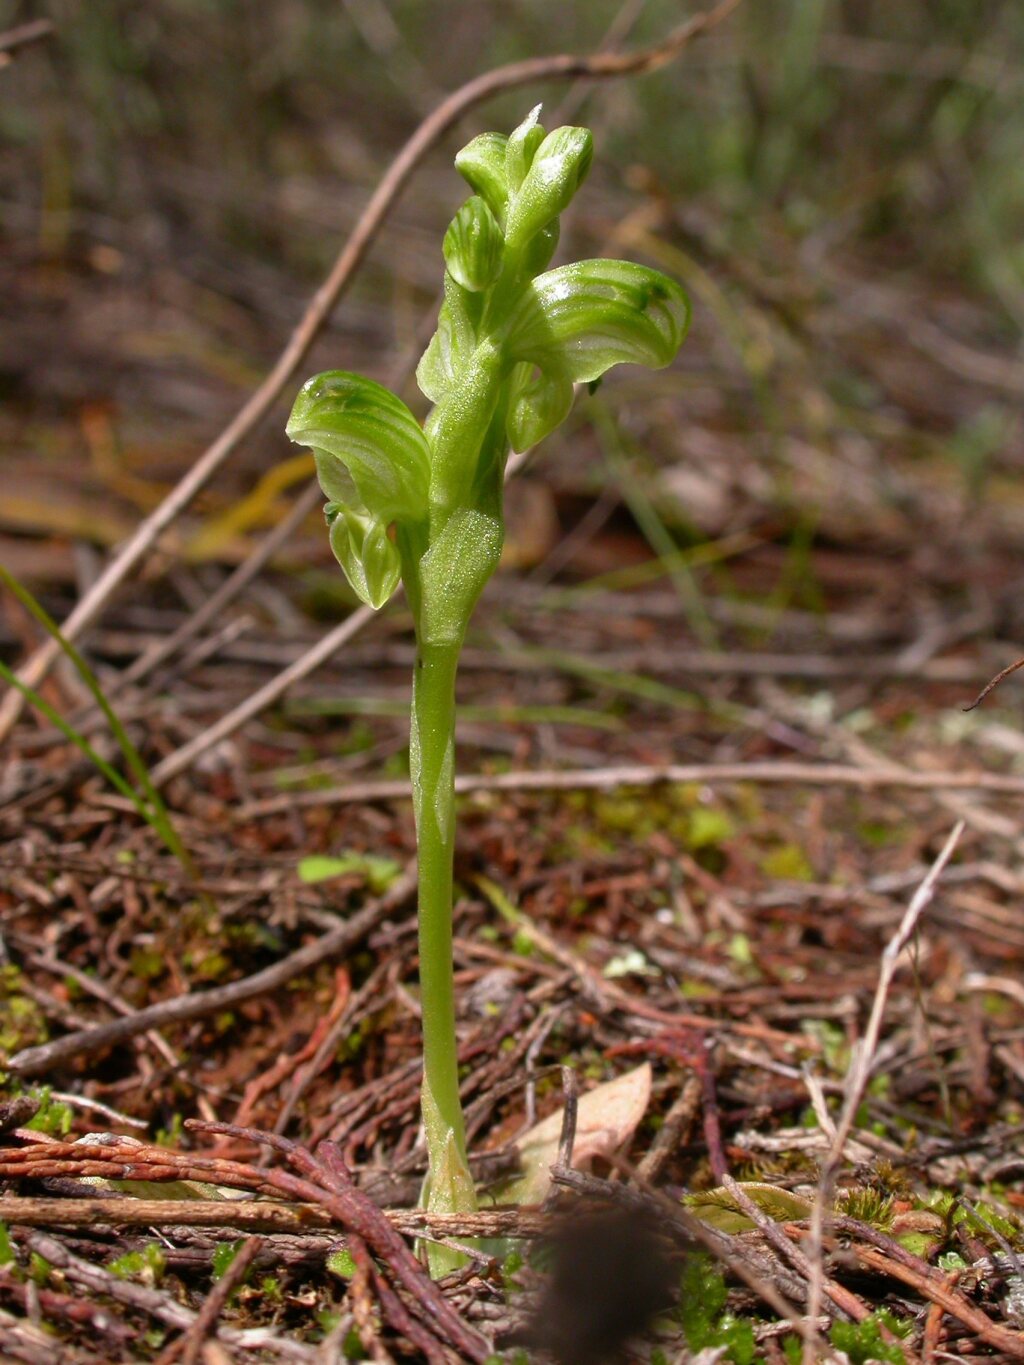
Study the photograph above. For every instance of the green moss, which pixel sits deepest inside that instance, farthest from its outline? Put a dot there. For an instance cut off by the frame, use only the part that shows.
(867, 1205)
(703, 1316)
(23, 1022)
(147, 963)
(171, 1135)
(52, 1116)
(223, 1255)
(863, 1341)
(146, 1265)
(39, 1268)
(787, 863)
(708, 827)
(341, 1264)
(209, 966)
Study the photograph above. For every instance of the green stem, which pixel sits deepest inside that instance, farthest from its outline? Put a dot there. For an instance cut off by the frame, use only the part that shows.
(432, 760)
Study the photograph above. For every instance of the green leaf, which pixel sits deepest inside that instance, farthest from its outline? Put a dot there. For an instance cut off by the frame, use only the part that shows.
(557, 169)
(473, 245)
(380, 873)
(718, 1209)
(481, 163)
(366, 552)
(580, 320)
(361, 433)
(538, 403)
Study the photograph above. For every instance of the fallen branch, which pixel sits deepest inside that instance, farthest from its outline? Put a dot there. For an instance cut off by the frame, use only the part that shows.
(254, 1215)
(14, 39)
(604, 779)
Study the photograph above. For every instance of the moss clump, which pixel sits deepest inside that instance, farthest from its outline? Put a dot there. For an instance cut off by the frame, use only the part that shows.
(704, 1318)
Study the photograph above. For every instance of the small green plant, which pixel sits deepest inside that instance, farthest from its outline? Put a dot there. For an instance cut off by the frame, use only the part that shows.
(147, 1265)
(144, 797)
(423, 504)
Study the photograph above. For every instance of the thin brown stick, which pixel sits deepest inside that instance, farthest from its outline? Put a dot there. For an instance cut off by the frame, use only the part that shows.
(324, 1178)
(647, 775)
(404, 1322)
(567, 1138)
(210, 610)
(993, 683)
(857, 1079)
(263, 697)
(599, 66)
(13, 39)
(254, 1215)
(360, 1298)
(843, 1298)
(33, 1061)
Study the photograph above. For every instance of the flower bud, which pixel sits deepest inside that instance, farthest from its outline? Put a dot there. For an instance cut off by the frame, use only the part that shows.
(473, 246)
(481, 163)
(366, 552)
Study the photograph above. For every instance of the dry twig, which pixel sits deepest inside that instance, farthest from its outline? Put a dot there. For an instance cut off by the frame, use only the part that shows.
(857, 1079)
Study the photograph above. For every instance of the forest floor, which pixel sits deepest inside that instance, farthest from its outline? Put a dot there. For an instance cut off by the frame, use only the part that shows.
(715, 941)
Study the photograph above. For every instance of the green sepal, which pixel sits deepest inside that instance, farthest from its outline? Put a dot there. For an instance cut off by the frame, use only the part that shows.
(538, 403)
(557, 169)
(365, 551)
(481, 163)
(580, 320)
(361, 434)
(521, 147)
(473, 245)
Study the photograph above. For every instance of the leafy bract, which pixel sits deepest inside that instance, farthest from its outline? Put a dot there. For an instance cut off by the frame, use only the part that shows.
(451, 346)
(580, 320)
(361, 434)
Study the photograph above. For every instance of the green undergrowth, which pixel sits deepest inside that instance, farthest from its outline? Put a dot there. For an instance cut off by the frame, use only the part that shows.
(705, 1319)
(22, 1023)
(708, 1324)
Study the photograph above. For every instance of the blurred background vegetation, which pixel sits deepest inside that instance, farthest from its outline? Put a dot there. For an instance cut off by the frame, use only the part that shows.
(841, 186)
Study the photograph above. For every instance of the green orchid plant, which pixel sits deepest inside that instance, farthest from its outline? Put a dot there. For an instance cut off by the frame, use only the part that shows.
(422, 504)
